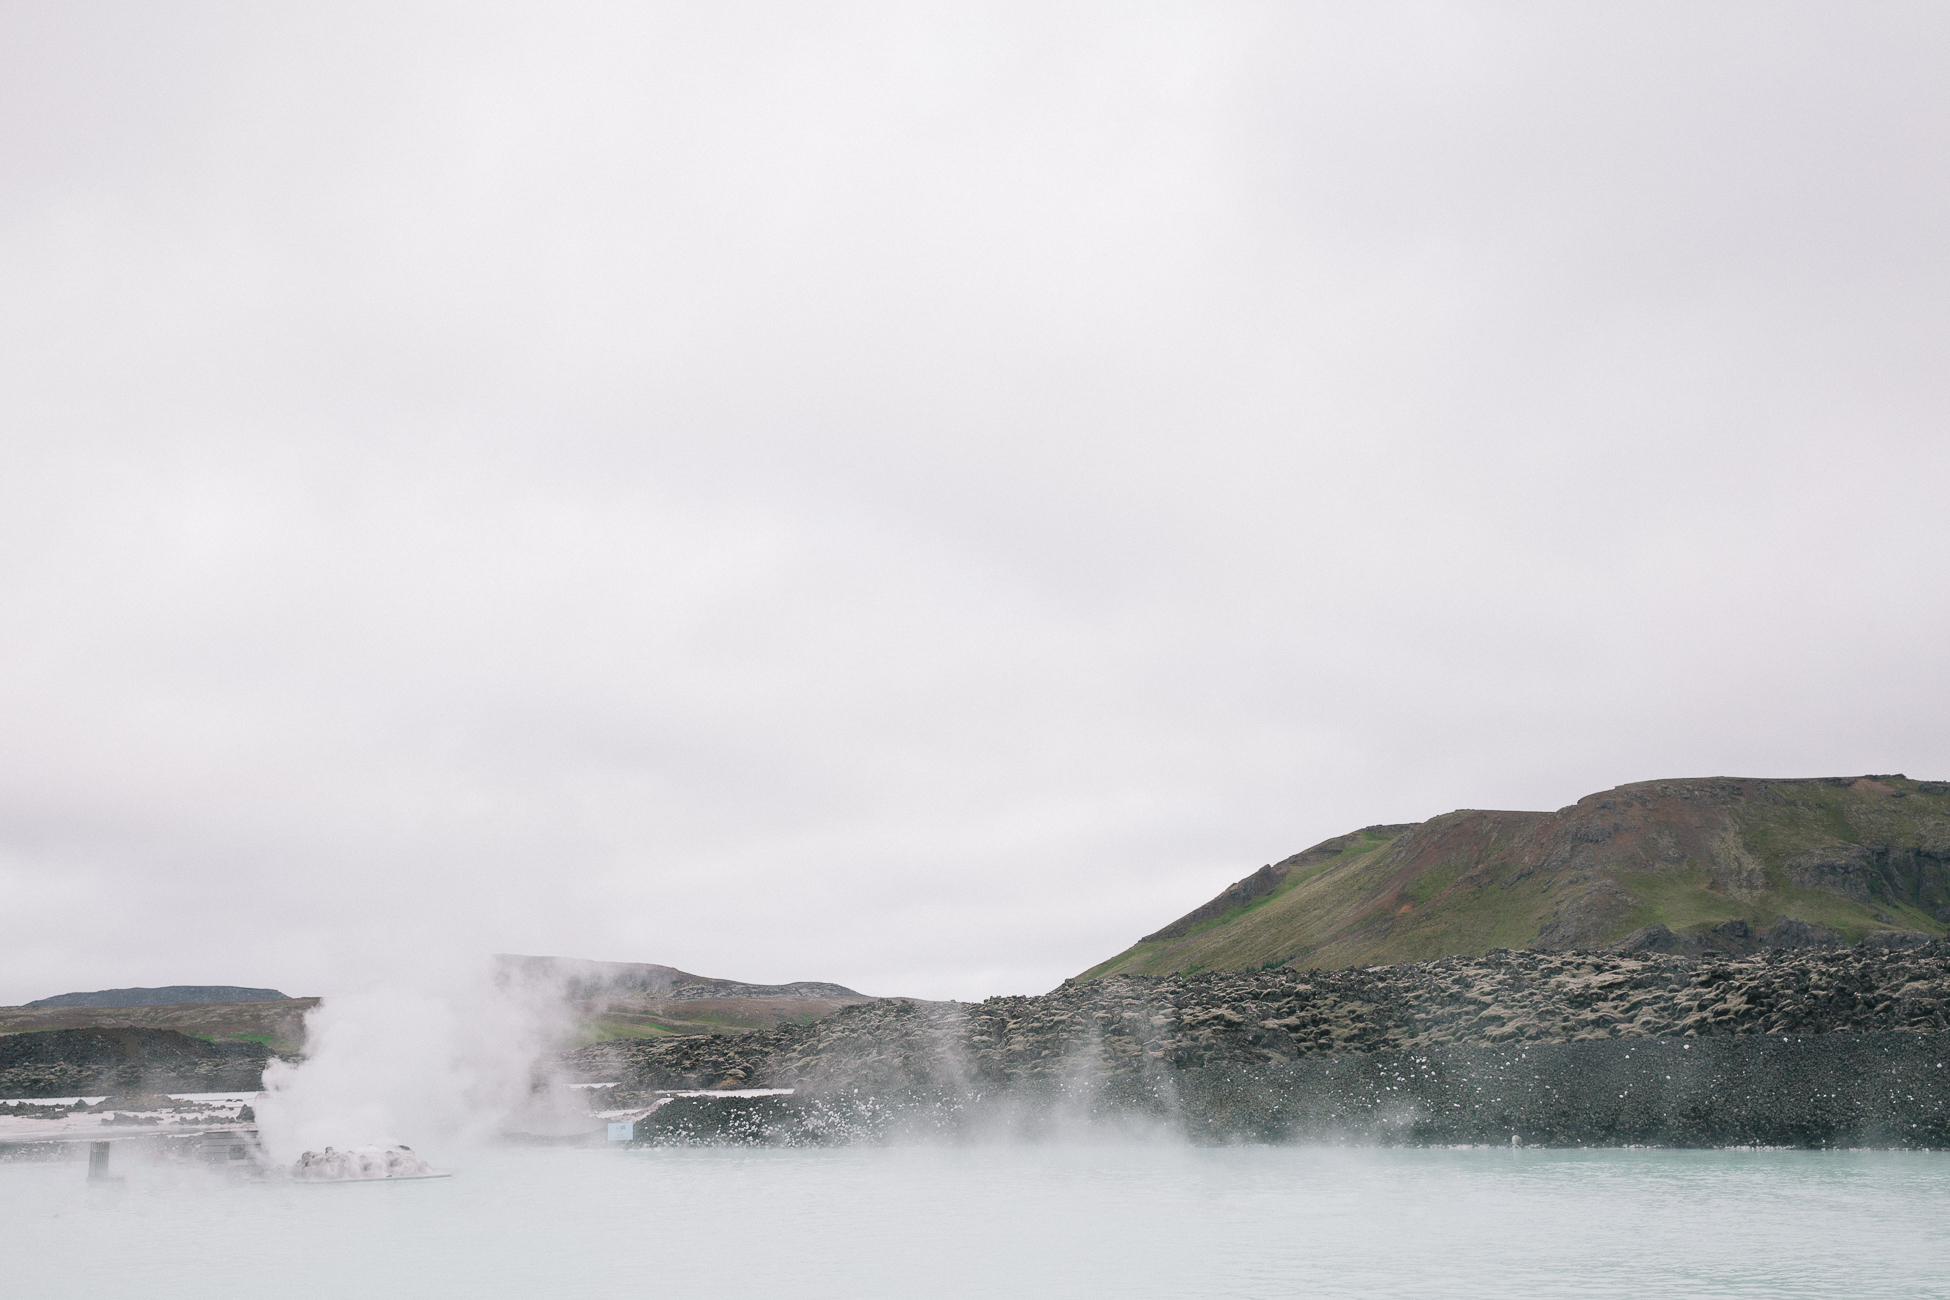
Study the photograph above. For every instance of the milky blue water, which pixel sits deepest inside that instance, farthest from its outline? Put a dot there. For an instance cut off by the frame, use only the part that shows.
(1119, 1221)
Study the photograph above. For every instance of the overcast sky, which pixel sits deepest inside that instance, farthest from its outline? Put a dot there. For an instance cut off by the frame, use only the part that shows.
(919, 496)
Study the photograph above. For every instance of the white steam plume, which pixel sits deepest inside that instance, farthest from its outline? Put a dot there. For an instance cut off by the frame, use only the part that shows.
(434, 1059)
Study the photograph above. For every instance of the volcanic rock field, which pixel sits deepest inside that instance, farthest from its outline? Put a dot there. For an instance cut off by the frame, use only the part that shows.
(1835, 1046)
(63, 1062)
(1813, 1047)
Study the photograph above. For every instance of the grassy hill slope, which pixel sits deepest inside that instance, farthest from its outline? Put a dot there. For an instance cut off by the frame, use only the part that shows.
(617, 999)
(279, 1025)
(1846, 856)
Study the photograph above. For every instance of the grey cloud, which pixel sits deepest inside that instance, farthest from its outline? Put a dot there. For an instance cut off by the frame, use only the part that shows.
(915, 496)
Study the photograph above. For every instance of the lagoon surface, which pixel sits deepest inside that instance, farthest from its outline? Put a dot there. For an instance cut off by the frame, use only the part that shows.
(1002, 1221)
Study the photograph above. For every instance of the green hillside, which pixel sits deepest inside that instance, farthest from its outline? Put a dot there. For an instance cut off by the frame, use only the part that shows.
(1722, 862)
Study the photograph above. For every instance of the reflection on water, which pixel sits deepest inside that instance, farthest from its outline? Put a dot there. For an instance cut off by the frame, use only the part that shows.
(1119, 1221)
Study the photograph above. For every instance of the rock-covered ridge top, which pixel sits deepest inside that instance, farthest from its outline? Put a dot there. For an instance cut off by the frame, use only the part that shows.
(1137, 1028)
(1842, 857)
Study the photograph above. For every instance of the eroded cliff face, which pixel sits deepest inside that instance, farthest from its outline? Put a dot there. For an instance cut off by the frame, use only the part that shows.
(1849, 856)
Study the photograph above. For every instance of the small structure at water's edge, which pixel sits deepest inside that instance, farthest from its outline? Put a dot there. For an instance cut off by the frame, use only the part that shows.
(217, 1131)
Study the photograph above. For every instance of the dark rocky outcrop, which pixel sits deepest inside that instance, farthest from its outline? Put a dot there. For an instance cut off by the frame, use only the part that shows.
(1838, 1090)
(1736, 938)
(67, 1062)
(1285, 1052)
(1876, 873)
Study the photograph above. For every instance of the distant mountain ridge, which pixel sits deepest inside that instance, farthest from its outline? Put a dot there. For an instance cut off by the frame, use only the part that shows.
(278, 1023)
(168, 996)
(620, 999)
(1704, 864)
(585, 979)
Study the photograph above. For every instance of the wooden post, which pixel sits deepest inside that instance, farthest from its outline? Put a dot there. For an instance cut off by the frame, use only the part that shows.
(97, 1160)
